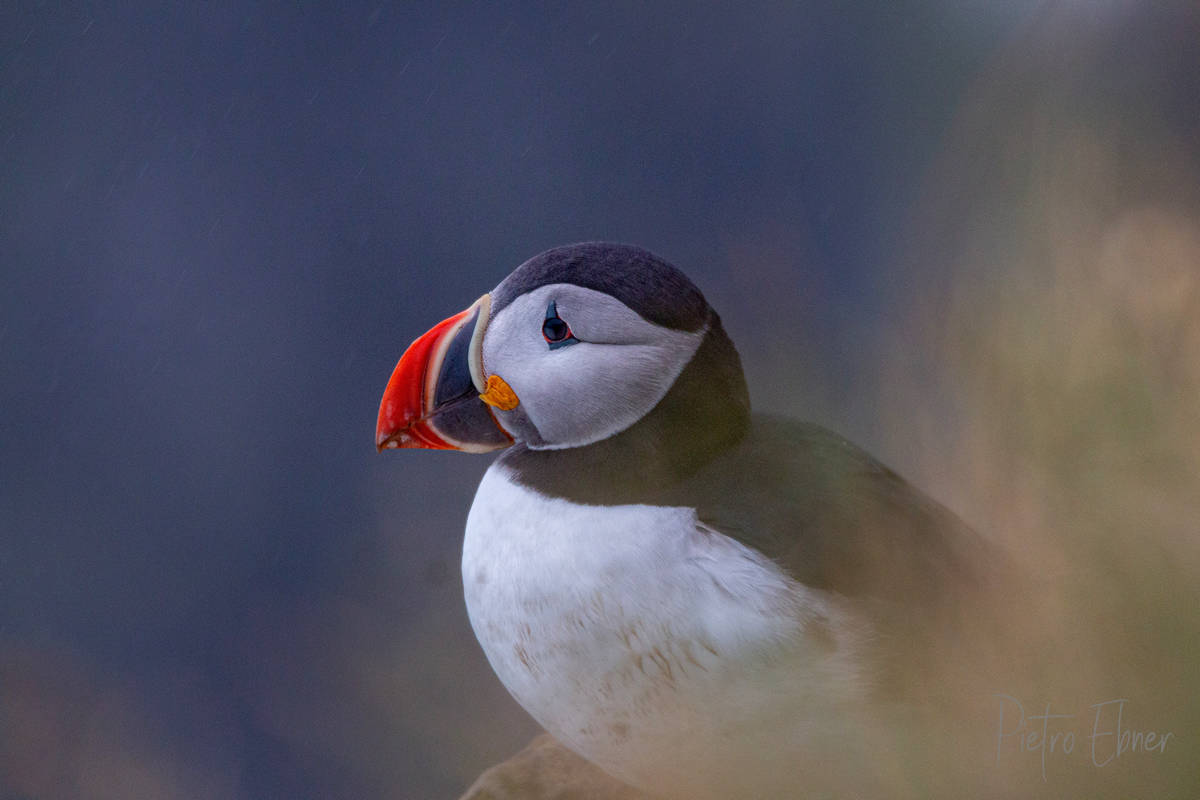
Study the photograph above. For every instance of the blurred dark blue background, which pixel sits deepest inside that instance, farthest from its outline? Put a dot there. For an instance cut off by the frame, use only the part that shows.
(220, 225)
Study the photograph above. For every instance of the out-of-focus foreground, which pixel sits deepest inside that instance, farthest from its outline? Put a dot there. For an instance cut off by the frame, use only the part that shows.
(1050, 379)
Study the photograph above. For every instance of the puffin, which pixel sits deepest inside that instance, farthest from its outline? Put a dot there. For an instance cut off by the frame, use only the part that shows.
(702, 601)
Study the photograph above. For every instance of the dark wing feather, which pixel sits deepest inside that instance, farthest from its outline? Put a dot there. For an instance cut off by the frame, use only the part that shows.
(836, 519)
(833, 517)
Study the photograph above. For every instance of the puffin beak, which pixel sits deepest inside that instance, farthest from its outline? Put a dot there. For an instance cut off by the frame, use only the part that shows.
(433, 398)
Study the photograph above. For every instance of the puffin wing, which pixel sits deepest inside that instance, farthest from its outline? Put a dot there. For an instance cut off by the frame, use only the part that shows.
(833, 517)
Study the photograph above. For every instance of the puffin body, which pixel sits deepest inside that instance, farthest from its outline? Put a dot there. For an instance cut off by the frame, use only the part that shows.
(701, 601)
(653, 645)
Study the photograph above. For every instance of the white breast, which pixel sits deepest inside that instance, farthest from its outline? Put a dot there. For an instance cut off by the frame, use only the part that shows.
(665, 652)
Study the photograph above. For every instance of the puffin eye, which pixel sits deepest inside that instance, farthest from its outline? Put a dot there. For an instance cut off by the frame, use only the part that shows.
(556, 332)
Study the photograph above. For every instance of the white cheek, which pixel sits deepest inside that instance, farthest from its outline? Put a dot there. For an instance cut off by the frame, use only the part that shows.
(585, 392)
(601, 390)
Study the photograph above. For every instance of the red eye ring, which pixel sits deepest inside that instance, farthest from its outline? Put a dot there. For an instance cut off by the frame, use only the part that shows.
(555, 330)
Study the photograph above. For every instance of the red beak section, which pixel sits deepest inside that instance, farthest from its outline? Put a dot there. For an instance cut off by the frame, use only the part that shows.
(433, 397)
(407, 401)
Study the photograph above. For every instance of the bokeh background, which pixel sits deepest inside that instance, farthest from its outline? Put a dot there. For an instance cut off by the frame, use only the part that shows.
(965, 234)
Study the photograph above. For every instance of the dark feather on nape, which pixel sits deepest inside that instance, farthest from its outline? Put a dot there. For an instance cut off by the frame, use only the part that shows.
(641, 280)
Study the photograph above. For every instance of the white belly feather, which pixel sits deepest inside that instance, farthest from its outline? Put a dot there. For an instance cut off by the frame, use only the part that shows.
(665, 652)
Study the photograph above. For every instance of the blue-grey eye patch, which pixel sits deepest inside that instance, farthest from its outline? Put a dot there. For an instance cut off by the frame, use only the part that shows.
(556, 332)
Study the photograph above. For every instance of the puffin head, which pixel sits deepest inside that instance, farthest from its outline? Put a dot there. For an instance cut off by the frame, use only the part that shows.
(577, 345)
